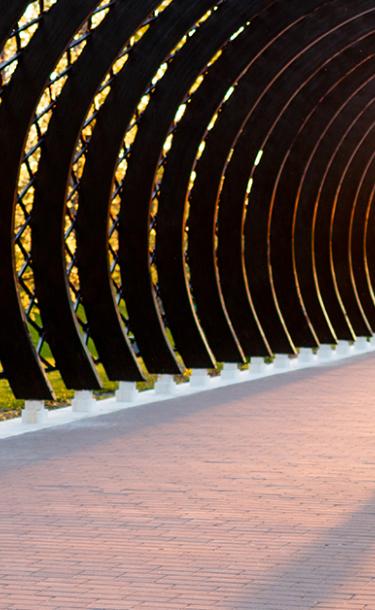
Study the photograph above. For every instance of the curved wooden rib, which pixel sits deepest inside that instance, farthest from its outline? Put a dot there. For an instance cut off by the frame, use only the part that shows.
(335, 164)
(95, 192)
(210, 169)
(19, 102)
(292, 165)
(369, 243)
(314, 159)
(357, 241)
(48, 214)
(250, 141)
(257, 138)
(179, 165)
(10, 12)
(356, 148)
(153, 130)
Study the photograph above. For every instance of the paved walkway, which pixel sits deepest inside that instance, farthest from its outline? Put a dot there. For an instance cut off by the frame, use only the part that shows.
(259, 497)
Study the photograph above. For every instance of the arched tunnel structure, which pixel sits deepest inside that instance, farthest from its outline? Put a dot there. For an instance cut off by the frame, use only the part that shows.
(182, 183)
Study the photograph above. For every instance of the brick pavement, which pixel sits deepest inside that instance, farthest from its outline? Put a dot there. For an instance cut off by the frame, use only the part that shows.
(259, 497)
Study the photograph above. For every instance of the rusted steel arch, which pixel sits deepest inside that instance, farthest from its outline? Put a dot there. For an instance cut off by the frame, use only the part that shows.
(233, 63)
(153, 130)
(357, 152)
(96, 187)
(19, 103)
(249, 142)
(318, 102)
(357, 250)
(187, 138)
(103, 47)
(326, 188)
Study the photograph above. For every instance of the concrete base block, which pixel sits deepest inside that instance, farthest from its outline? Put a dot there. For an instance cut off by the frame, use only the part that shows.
(362, 345)
(165, 385)
(127, 392)
(230, 372)
(307, 356)
(200, 378)
(344, 349)
(258, 366)
(326, 353)
(83, 402)
(34, 412)
(282, 362)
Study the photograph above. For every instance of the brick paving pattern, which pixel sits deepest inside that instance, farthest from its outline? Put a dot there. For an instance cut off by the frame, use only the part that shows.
(259, 497)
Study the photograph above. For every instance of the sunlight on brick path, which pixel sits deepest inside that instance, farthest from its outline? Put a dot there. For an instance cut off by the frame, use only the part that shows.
(256, 497)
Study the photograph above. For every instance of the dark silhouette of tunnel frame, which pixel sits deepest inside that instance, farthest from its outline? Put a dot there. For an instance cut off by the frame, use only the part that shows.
(254, 148)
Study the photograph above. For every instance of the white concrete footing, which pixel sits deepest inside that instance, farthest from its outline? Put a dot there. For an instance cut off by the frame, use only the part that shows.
(34, 412)
(165, 385)
(127, 392)
(282, 362)
(307, 356)
(326, 353)
(344, 349)
(258, 366)
(362, 345)
(200, 378)
(34, 416)
(230, 372)
(83, 402)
